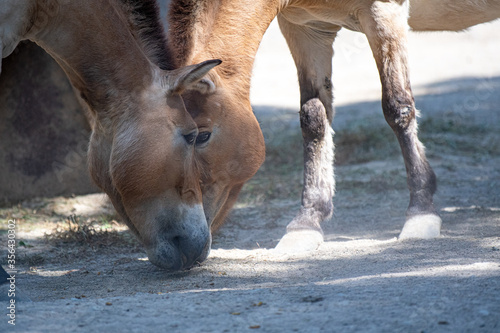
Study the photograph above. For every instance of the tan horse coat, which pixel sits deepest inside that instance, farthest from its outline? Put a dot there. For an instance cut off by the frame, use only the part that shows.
(231, 31)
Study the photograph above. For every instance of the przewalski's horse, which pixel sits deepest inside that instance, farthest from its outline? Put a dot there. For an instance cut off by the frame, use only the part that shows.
(231, 30)
(145, 152)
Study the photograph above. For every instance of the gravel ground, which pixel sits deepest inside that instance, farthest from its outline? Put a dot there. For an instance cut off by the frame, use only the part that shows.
(361, 278)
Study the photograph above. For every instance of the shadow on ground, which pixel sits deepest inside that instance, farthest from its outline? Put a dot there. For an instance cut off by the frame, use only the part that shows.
(361, 278)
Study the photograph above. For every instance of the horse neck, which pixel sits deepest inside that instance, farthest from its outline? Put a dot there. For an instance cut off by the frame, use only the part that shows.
(230, 30)
(92, 42)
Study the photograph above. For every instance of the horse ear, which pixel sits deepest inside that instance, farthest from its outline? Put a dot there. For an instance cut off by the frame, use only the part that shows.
(192, 78)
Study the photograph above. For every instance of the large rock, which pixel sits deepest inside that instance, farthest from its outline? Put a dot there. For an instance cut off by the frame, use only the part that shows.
(43, 130)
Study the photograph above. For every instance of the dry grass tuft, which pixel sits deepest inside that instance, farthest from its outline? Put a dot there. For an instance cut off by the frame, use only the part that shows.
(91, 233)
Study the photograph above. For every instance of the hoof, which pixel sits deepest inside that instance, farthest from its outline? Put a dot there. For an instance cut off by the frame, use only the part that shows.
(422, 227)
(302, 241)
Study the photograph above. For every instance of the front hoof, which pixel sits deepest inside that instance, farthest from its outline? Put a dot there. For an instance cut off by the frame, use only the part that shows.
(425, 226)
(300, 241)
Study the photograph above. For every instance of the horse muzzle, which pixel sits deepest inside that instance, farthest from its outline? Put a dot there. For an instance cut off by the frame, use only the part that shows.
(182, 242)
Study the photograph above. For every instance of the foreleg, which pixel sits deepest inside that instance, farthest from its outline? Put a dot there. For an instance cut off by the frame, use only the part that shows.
(385, 25)
(312, 51)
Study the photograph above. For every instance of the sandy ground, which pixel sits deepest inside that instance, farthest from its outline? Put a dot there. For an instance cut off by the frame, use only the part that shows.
(361, 279)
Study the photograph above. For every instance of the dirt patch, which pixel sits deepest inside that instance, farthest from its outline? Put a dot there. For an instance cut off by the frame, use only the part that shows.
(84, 271)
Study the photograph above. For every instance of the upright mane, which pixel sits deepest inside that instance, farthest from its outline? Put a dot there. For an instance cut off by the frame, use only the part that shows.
(144, 18)
(181, 21)
(220, 29)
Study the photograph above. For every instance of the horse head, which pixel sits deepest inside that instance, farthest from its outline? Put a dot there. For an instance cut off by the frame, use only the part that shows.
(171, 176)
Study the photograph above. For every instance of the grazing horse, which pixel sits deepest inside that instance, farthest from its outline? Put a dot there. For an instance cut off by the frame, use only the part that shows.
(145, 151)
(231, 30)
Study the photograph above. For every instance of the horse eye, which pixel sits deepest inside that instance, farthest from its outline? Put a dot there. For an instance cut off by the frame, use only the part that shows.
(190, 138)
(202, 137)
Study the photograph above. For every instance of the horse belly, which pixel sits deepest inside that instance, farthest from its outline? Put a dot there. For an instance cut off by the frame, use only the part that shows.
(325, 16)
(452, 15)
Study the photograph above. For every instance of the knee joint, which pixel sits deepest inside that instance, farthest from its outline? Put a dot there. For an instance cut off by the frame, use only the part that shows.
(400, 116)
(313, 119)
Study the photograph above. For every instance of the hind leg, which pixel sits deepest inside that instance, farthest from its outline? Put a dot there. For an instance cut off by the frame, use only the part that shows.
(386, 29)
(312, 51)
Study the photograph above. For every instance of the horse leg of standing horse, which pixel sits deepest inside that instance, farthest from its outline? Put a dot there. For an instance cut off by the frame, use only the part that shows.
(385, 26)
(312, 52)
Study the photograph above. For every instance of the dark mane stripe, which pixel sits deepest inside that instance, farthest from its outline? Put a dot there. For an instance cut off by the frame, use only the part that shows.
(181, 20)
(145, 16)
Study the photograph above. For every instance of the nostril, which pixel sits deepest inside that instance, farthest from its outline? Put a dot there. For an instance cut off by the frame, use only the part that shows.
(176, 242)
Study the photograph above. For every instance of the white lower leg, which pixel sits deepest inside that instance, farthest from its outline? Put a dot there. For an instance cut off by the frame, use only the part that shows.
(300, 241)
(425, 226)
